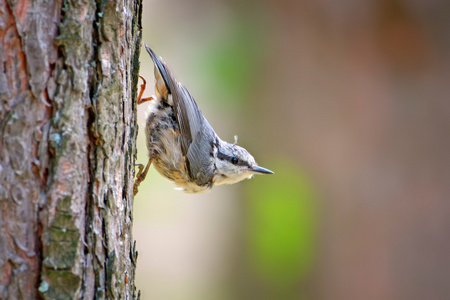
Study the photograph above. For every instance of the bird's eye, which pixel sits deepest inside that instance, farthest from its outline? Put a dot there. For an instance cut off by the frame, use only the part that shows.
(234, 160)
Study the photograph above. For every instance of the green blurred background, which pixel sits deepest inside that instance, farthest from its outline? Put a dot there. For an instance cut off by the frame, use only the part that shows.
(349, 103)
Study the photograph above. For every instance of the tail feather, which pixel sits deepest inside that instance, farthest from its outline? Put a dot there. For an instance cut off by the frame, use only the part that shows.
(160, 66)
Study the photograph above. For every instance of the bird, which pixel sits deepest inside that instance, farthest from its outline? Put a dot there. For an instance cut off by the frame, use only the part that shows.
(182, 145)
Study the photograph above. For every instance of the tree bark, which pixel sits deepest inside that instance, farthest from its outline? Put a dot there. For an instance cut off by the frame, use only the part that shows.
(68, 77)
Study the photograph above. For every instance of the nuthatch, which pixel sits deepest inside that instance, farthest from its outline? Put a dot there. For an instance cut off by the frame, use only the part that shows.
(182, 144)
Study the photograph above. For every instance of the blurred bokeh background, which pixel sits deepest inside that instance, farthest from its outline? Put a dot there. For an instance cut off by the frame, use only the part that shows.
(349, 103)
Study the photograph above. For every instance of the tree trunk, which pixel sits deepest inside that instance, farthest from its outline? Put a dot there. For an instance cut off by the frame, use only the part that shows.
(68, 77)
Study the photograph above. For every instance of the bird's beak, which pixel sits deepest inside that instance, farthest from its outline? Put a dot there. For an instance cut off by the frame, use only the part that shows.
(261, 170)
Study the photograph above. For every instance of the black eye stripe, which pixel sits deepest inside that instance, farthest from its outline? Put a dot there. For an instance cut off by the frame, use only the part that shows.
(223, 156)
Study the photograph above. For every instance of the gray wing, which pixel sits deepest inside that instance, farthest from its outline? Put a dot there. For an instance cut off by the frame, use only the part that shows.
(197, 135)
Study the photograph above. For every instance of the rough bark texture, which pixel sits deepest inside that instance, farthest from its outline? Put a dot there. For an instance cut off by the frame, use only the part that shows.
(68, 76)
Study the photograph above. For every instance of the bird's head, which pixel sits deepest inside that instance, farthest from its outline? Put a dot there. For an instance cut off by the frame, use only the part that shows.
(234, 163)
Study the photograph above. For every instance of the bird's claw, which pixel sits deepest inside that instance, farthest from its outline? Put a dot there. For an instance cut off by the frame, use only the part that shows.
(141, 100)
(140, 176)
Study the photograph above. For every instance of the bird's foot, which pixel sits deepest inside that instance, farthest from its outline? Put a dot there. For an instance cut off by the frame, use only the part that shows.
(140, 176)
(141, 100)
